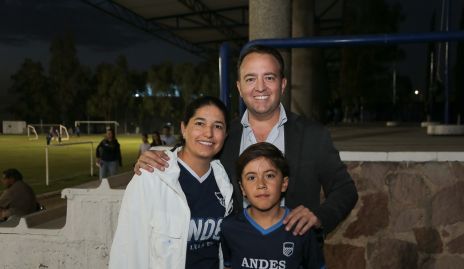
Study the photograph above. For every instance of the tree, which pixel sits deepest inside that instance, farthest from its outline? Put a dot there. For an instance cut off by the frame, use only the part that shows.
(114, 89)
(365, 70)
(30, 85)
(64, 75)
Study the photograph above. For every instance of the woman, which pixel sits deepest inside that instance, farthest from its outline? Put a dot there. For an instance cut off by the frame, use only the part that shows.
(156, 139)
(172, 219)
(109, 155)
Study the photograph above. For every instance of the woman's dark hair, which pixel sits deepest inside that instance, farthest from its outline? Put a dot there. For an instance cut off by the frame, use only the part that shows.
(266, 150)
(205, 101)
(158, 137)
(12, 173)
(260, 49)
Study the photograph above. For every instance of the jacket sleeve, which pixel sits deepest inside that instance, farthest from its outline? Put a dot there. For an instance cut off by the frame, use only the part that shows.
(338, 186)
(313, 255)
(119, 154)
(130, 248)
(97, 150)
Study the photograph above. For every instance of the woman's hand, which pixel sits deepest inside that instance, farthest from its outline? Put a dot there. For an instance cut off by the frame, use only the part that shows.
(151, 159)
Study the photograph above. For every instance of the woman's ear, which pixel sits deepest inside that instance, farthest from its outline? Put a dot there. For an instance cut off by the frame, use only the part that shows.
(182, 129)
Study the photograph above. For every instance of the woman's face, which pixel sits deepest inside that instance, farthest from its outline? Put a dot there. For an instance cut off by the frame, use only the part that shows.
(204, 133)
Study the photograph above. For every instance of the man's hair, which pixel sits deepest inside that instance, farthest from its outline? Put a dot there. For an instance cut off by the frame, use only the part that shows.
(262, 50)
(265, 150)
(12, 173)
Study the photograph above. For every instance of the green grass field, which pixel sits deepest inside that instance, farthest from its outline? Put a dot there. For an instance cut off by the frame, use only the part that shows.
(68, 166)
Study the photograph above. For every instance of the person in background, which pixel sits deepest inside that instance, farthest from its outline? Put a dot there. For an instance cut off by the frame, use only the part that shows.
(144, 146)
(108, 155)
(171, 219)
(18, 199)
(257, 234)
(156, 139)
(167, 138)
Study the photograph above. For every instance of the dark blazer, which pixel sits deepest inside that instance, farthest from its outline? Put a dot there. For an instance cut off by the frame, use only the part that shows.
(314, 163)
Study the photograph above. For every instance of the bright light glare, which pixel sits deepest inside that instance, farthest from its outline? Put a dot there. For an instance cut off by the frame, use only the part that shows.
(416, 92)
(137, 95)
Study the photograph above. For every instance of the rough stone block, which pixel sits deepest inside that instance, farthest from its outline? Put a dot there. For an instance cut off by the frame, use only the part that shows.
(456, 246)
(448, 204)
(371, 218)
(428, 240)
(343, 256)
(408, 190)
(392, 253)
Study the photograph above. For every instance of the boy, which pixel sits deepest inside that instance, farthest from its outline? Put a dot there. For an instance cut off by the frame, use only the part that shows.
(256, 237)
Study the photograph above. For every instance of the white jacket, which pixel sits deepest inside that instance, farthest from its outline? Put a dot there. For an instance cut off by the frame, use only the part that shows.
(154, 219)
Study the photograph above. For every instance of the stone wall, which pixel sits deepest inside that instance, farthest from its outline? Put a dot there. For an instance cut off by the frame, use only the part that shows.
(409, 215)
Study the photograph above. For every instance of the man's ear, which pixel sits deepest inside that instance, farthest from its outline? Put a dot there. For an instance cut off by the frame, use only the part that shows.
(283, 85)
(238, 88)
(284, 184)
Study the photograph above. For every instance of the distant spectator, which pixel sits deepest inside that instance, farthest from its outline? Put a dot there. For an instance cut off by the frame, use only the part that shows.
(167, 138)
(144, 146)
(109, 155)
(156, 139)
(18, 199)
(78, 131)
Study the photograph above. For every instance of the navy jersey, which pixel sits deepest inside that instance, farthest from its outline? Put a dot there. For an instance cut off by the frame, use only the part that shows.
(207, 212)
(245, 244)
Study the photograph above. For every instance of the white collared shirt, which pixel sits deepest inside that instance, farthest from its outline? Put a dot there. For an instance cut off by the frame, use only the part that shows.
(275, 137)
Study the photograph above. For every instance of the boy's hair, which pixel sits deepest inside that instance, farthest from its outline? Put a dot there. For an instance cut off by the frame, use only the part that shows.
(266, 150)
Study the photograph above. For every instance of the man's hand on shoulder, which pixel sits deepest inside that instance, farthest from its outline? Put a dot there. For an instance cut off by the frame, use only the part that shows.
(150, 160)
(301, 219)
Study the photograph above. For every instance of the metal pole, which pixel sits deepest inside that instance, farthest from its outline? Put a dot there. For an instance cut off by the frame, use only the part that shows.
(446, 64)
(46, 166)
(91, 159)
(224, 74)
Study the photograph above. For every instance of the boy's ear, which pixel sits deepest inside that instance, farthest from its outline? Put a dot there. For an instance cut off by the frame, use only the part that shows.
(284, 184)
(241, 188)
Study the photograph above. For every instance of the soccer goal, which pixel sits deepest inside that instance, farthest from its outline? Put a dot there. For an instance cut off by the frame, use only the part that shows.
(103, 124)
(68, 162)
(32, 133)
(59, 132)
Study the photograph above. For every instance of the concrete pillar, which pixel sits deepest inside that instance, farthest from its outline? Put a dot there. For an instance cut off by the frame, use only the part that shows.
(309, 76)
(272, 19)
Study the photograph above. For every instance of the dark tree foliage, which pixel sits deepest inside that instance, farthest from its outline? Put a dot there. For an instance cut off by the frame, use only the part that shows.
(64, 75)
(31, 89)
(365, 74)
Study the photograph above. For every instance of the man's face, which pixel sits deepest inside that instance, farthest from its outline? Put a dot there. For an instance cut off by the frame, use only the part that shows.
(7, 182)
(260, 84)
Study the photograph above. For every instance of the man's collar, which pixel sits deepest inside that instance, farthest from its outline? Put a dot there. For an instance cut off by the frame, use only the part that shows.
(282, 117)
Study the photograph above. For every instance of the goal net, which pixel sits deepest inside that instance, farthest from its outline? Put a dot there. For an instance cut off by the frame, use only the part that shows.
(95, 127)
(57, 132)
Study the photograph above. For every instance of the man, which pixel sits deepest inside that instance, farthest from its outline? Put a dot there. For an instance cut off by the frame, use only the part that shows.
(167, 138)
(18, 199)
(314, 162)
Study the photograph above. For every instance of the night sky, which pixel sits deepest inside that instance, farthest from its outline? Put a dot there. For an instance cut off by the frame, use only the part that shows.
(27, 26)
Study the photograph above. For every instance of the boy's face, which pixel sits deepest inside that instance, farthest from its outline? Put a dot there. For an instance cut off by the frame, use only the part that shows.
(262, 184)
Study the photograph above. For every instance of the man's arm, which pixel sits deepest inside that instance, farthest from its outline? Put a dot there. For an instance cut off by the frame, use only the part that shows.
(338, 186)
(150, 160)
